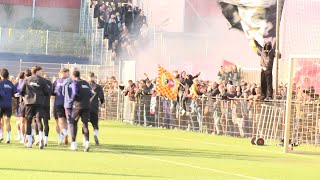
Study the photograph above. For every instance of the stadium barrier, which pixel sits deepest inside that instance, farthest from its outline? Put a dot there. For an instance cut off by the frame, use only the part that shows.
(52, 69)
(88, 28)
(88, 43)
(235, 117)
(43, 42)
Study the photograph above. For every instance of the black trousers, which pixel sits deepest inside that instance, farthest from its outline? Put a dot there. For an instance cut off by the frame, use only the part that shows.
(84, 114)
(266, 83)
(94, 119)
(46, 117)
(33, 111)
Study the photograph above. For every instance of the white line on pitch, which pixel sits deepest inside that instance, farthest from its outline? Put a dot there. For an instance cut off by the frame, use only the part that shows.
(199, 167)
(191, 166)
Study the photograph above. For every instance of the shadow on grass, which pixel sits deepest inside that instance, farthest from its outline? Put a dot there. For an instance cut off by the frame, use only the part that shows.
(177, 152)
(77, 172)
(152, 151)
(305, 152)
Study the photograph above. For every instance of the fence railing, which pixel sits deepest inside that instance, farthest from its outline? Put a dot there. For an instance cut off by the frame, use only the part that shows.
(88, 43)
(88, 28)
(237, 117)
(43, 42)
(52, 69)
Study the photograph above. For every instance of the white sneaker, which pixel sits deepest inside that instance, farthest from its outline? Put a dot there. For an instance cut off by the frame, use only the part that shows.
(28, 145)
(74, 146)
(87, 147)
(183, 112)
(18, 138)
(171, 107)
(60, 142)
(188, 129)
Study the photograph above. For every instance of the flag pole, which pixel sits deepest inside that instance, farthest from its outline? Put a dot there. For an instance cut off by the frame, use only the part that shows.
(277, 47)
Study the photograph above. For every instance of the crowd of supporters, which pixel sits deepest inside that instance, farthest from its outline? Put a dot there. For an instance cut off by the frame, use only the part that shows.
(125, 27)
(226, 106)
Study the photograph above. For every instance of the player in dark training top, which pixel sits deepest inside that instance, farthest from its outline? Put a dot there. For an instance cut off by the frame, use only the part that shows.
(81, 94)
(97, 97)
(35, 90)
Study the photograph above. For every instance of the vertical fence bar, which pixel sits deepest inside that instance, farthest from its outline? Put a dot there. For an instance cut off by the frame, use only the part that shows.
(288, 107)
(179, 115)
(33, 8)
(119, 92)
(101, 50)
(47, 42)
(81, 15)
(201, 118)
(158, 117)
(20, 65)
(0, 35)
(92, 48)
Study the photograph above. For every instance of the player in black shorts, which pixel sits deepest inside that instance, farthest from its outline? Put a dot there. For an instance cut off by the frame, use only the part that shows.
(34, 90)
(81, 94)
(97, 97)
(46, 111)
(59, 111)
(7, 91)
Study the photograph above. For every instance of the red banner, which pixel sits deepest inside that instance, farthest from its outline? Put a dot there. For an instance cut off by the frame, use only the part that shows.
(227, 63)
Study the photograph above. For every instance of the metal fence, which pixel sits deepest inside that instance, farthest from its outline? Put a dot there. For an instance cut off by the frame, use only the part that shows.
(43, 42)
(52, 69)
(88, 28)
(88, 43)
(241, 118)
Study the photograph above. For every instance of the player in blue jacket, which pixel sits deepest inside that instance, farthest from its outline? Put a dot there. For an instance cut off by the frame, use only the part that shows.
(7, 91)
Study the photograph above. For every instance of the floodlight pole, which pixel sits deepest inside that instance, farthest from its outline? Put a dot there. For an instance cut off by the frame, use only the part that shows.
(33, 8)
(277, 47)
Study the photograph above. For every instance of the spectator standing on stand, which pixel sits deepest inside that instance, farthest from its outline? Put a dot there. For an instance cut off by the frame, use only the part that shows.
(112, 31)
(140, 20)
(130, 91)
(235, 76)
(129, 19)
(147, 92)
(267, 54)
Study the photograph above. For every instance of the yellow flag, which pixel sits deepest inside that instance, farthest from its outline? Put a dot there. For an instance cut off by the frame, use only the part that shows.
(167, 84)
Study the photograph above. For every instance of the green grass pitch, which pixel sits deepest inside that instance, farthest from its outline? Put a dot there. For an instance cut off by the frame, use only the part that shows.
(131, 152)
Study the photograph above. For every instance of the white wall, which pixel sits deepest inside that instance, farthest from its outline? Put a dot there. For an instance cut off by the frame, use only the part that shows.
(159, 11)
